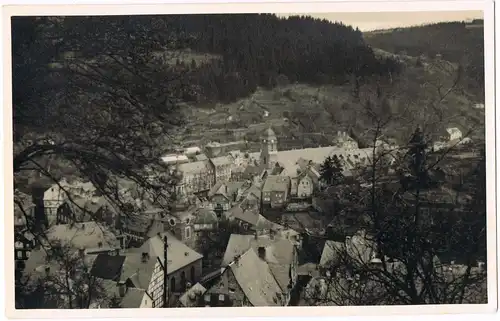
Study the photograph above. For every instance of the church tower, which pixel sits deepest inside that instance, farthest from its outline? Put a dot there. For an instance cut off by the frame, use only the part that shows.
(269, 148)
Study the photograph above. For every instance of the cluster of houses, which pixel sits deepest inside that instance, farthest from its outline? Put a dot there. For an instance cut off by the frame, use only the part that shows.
(450, 138)
(151, 259)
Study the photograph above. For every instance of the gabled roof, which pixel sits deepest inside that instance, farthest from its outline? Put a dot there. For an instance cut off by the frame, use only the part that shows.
(331, 251)
(279, 253)
(83, 235)
(179, 254)
(132, 299)
(193, 167)
(108, 267)
(247, 216)
(256, 280)
(189, 299)
(205, 216)
(276, 183)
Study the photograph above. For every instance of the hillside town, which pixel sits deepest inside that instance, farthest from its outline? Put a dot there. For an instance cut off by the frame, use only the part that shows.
(274, 205)
(247, 160)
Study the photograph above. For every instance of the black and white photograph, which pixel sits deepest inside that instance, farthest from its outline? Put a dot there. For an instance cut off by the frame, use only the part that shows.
(330, 159)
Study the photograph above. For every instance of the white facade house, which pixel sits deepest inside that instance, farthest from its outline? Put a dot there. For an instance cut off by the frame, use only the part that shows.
(454, 134)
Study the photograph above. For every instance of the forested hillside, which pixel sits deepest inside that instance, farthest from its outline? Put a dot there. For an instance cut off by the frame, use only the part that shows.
(458, 42)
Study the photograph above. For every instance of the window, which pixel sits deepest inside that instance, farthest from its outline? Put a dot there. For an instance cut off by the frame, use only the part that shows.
(183, 281)
(193, 274)
(188, 232)
(172, 284)
(19, 254)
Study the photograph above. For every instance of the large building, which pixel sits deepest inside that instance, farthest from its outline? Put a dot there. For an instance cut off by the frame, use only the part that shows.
(345, 148)
(195, 177)
(276, 191)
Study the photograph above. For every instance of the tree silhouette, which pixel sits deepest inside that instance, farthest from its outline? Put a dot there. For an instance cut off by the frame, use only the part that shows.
(331, 170)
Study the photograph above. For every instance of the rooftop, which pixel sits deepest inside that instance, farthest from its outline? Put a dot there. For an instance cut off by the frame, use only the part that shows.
(179, 254)
(83, 235)
(222, 160)
(193, 167)
(189, 299)
(279, 253)
(256, 280)
(132, 299)
(275, 183)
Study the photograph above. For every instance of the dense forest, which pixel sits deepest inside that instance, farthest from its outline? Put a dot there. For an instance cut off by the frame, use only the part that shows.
(458, 42)
(252, 49)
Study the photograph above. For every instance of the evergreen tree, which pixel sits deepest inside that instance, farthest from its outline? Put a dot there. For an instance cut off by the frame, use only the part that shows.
(331, 170)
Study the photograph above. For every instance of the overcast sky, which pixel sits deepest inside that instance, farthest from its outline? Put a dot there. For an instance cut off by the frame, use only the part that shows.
(366, 21)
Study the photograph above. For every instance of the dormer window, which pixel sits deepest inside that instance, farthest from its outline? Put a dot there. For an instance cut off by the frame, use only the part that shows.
(171, 222)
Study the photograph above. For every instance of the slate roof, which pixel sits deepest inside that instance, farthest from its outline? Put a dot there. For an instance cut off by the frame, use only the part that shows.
(206, 216)
(83, 235)
(222, 160)
(132, 299)
(218, 188)
(256, 280)
(108, 267)
(279, 253)
(247, 216)
(275, 183)
(176, 251)
(193, 167)
(359, 247)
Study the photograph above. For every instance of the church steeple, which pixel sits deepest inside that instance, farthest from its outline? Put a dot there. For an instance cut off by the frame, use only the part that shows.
(269, 148)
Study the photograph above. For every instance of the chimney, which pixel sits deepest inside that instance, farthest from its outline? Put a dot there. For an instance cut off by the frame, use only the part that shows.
(256, 235)
(272, 233)
(262, 252)
(81, 251)
(480, 266)
(339, 133)
(144, 257)
(47, 269)
(122, 288)
(347, 239)
(99, 244)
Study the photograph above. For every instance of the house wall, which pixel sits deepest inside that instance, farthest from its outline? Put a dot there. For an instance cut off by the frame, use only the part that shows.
(220, 199)
(455, 135)
(155, 288)
(266, 197)
(184, 232)
(294, 183)
(232, 288)
(64, 214)
(196, 182)
(176, 276)
(223, 173)
(305, 187)
(146, 303)
(53, 198)
(278, 198)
